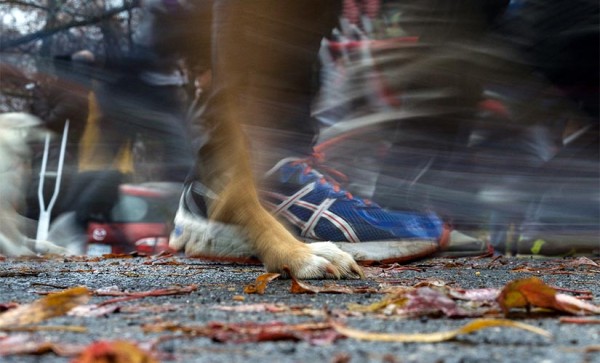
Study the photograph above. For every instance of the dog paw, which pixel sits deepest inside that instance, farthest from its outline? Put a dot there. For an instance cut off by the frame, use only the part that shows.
(322, 260)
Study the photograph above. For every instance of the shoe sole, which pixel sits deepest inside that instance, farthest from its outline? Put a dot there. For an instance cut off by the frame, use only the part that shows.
(215, 241)
(387, 252)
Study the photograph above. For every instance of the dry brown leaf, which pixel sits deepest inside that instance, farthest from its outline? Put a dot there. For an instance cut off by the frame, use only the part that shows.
(55, 304)
(69, 328)
(254, 308)
(418, 302)
(313, 332)
(572, 305)
(435, 337)
(114, 352)
(299, 287)
(93, 310)
(525, 293)
(585, 261)
(578, 320)
(27, 344)
(131, 295)
(260, 284)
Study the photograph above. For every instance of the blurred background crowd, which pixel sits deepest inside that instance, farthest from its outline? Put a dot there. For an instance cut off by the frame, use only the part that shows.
(483, 113)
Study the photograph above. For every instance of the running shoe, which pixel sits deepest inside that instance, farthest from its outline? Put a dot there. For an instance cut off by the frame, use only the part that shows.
(314, 205)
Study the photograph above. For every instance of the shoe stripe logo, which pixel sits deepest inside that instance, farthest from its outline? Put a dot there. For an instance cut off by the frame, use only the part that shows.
(289, 201)
(312, 221)
(333, 218)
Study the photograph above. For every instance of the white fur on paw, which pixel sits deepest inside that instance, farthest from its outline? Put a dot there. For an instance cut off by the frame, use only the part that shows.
(327, 260)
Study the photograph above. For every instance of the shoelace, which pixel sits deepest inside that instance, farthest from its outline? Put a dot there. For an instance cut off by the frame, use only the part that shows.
(317, 161)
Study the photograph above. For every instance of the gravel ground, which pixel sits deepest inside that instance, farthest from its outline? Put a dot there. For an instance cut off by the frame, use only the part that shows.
(222, 285)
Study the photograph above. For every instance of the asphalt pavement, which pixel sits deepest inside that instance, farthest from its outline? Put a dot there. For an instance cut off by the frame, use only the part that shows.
(215, 293)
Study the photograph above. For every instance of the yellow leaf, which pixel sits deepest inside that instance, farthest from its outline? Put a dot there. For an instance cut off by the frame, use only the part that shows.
(55, 304)
(435, 337)
(114, 352)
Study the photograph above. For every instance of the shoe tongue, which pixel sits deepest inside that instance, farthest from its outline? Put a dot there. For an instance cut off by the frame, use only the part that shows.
(293, 173)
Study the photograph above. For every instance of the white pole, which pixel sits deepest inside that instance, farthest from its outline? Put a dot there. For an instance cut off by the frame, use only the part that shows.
(45, 211)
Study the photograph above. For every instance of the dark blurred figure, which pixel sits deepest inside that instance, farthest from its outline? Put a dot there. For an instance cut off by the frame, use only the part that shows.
(64, 96)
(136, 131)
(141, 101)
(560, 43)
(501, 82)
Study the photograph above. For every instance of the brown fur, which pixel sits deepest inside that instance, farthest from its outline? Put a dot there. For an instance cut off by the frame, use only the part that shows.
(226, 170)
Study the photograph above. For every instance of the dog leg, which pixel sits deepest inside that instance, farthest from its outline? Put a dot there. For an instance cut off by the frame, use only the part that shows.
(223, 166)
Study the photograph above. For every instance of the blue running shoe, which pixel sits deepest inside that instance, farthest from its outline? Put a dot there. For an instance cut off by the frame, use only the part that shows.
(318, 209)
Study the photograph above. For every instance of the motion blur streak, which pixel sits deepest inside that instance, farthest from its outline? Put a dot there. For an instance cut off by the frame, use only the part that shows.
(484, 111)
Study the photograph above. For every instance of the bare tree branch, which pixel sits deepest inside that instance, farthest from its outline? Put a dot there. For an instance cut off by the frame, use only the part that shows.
(11, 43)
(24, 4)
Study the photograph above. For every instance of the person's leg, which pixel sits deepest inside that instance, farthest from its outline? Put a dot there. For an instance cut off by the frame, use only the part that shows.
(283, 43)
(133, 108)
(223, 171)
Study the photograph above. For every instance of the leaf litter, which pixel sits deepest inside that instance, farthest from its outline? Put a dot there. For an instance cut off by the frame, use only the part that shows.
(436, 337)
(426, 297)
(55, 304)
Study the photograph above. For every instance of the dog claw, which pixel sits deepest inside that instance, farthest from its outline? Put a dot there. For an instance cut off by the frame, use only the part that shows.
(333, 271)
(325, 260)
(358, 271)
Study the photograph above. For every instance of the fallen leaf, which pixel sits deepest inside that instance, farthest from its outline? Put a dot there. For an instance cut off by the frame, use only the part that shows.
(7, 306)
(69, 328)
(316, 333)
(299, 287)
(585, 261)
(525, 293)
(114, 352)
(140, 294)
(572, 305)
(117, 255)
(20, 272)
(54, 304)
(260, 284)
(27, 344)
(168, 261)
(254, 308)
(417, 302)
(578, 320)
(107, 307)
(93, 311)
(592, 349)
(435, 337)
(485, 294)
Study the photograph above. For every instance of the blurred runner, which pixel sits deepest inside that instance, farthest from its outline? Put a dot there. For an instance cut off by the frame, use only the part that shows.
(264, 55)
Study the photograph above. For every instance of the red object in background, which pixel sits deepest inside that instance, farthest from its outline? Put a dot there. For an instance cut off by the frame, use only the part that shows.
(139, 222)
